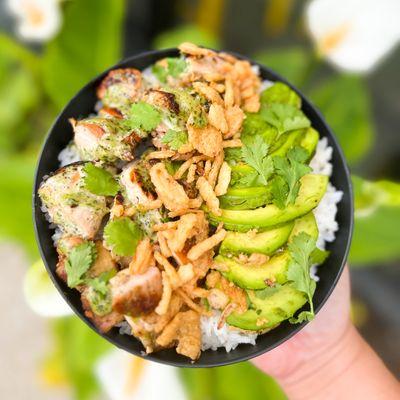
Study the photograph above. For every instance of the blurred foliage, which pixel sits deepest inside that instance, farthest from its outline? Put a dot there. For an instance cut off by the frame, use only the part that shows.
(15, 200)
(89, 42)
(234, 382)
(76, 350)
(291, 63)
(376, 235)
(345, 103)
(186, 33)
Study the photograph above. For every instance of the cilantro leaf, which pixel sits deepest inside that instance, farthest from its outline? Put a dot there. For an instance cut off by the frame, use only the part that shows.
(279, 190)
(78, 261)
(144, 117)
(284, 117)
(99, 181)
(300, 250)
(255, 155)
(170, 66)
(291, 169)
(122, 236)
(175, 139)
(99, 295)
(303, 316)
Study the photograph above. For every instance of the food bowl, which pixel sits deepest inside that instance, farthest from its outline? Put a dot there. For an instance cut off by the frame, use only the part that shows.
(59, 136)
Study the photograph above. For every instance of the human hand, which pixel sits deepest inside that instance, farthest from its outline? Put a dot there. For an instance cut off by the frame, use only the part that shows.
(328, 358)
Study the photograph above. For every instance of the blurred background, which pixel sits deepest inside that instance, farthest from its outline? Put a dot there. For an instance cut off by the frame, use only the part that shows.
(343, 54)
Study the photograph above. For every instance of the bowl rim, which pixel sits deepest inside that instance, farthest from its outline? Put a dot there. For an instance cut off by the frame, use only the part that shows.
(152, 356)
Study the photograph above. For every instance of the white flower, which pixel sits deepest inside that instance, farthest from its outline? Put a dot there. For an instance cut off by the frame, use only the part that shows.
(126, 377)
(354, 35)
(41, 295)
(37, 20)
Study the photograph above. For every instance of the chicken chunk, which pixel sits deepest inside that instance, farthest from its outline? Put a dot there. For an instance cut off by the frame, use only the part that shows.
(162, 99)
(103, 139)
(136, 294)
(137, 195)
(184, 330)
(120, 87)
(70, 205)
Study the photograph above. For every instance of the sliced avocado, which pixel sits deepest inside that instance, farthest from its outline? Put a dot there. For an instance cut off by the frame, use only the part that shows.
(256, 276)
(246, 198)
(266, 313)
(265, 242)
(312, 189)
(310, 141)
(286, 142)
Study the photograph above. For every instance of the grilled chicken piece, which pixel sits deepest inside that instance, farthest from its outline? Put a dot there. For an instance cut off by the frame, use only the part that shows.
(184, 330)
(136, 294)
(137, 195)
(120, 87)
(103, 323)
(70, 205)
(162, 99)
(103, 139)
(130, 179)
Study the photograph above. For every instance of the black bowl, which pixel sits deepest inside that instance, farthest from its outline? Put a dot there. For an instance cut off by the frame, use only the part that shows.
(59, 136)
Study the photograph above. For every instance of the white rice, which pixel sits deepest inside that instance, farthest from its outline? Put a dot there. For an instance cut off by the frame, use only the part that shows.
(325, 213)
(68, 155)
(227, 337)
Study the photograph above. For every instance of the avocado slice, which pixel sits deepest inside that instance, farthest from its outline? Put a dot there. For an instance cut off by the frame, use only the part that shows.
(246, 198)
(312, 189)
(286, 142)
(255, 276)
(267, 313)
(265, 242)
(310, 141)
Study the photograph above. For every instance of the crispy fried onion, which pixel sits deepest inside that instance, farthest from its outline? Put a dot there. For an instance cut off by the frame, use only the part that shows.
(143, 257)
(207, 193)
(169, 191)
(200, 248)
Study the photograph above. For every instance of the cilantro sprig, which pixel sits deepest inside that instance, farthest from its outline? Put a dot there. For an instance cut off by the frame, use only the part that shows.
(301, 249)
(255, 154)
(175, 139)
(79, 260)
(99, 181)
(122, 236)
(286, 184)
(284, 117)
(144, 117)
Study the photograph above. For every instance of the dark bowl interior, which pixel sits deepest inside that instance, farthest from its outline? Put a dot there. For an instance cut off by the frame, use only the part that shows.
(59, 136)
